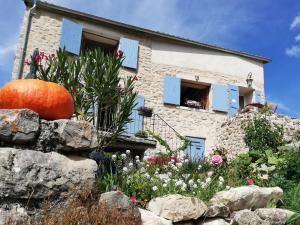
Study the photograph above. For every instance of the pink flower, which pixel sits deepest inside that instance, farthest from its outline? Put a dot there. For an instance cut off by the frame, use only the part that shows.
(133, 198)
(42, 54)
(216, 159)
(119, 53)
(37, 58)
(250, 181)
(26, 62)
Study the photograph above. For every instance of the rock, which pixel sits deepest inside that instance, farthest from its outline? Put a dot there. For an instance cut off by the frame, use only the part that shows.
(116, 199)
(177, 207)
(247, 217)
(218, 210)
(27, 174)
(247, 197)
(215, 221)
(19, 126)
(13, 215)
(149, 218)
(273, 215)
(75, 135)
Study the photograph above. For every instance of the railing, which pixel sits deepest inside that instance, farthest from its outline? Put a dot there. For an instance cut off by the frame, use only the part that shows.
(157, 125)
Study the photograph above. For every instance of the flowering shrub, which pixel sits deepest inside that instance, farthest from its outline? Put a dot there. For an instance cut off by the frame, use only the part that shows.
(160, 175)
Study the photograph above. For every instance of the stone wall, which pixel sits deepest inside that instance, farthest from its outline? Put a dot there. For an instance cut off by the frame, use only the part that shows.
(230, 135)
(45, 34)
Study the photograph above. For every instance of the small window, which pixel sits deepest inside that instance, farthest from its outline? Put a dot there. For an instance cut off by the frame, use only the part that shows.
(245, 96)
(194, 94)
(91, 41)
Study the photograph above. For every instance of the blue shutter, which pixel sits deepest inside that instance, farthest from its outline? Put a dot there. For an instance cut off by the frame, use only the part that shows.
(130, 49)
(233, 100)
(71, 36)
(137, 121)
(195, 151)
(257, 96)
(220, 98)
(172, 90)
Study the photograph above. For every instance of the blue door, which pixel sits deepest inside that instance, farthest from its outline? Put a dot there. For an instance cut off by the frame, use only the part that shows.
(137, 121)
(195, 151)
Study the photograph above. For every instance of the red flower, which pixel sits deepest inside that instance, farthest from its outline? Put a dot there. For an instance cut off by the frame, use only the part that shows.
(250, 181)
(26, 62)
(52, 55)
(133, 198)
(42, 54)
(37, 58)
(136, 78)
(119, 53)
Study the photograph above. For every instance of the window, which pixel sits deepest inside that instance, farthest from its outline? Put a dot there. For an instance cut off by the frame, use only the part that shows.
(91, 41)
(245, 96)
(194, 94)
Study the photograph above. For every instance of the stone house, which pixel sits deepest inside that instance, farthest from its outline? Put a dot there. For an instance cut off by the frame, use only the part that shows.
(192, 87)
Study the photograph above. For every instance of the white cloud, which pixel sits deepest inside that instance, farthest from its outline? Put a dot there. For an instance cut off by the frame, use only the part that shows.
(295, 23)
(297, 38)
(293, 51)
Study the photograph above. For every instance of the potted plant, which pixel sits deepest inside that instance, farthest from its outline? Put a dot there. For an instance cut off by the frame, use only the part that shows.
(145, 111)
(141, 134)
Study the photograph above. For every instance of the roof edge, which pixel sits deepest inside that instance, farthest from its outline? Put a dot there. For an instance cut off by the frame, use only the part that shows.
(93, 18)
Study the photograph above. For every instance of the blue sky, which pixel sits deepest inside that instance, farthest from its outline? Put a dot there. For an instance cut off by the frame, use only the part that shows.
(263, 27)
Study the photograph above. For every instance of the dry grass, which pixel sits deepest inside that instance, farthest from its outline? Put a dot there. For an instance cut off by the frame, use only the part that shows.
(84, 210)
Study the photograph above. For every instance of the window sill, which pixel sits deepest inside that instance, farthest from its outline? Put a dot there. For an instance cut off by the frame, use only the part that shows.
(192, 109)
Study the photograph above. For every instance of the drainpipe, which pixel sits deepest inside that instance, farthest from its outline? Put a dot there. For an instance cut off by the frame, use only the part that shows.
(23, 52)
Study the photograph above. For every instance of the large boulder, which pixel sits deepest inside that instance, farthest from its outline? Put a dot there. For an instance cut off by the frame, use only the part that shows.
(247, 217)
(120, 201)
(247, 197)
(27, 174)
(14, 214)
(75, 135)
(149, 218)
(177, 207)
(19, 126)
(215, 221)
(273, 215)
(217, 210)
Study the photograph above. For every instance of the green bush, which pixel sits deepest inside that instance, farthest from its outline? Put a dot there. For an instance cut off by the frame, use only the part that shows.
(261, 134)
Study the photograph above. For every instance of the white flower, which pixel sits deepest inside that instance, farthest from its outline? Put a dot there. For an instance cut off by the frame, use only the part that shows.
(199, 167)
(154, 188)
(125, 169)
(130, 164)
(113, 157)
(195, 186)
(128, 152)
(191, 182)
(147, 175)
(199, 181)
(164, 185)
(221, 179)
(227, 187)
(183, 187)
(142, 170)
(156, 172)
(137, 161)
(272, 168)
(123, 156)
(220, 183)
(186, 160)
(208, 180)
(203, 185)
(179, 165)
(210, 173)
(137, 157)
(170, 174)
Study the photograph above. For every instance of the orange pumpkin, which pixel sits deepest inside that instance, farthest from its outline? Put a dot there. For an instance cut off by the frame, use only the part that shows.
(50, 100)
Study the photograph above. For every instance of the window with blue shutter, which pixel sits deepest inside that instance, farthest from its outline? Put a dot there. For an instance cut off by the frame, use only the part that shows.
(233, 100)
(71, 36)
(130, 49)
(257, 96)
(195, 151)
(172, 90)
(137, 121)
(219, 97)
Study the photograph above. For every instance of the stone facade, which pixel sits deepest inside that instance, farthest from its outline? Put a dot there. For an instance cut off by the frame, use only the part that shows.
(45, 34)
(231, 136)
